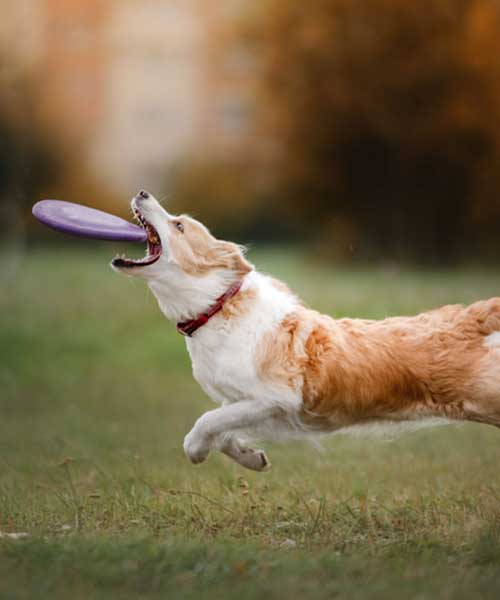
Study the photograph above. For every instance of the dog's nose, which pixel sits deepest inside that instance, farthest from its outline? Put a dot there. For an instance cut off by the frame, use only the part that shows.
(143, 194)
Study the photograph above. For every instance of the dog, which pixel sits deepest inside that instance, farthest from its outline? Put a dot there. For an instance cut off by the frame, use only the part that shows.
(279, 369)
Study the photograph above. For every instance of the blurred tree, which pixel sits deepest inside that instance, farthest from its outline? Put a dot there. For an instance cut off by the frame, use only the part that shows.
(28, 158)
(227, 194)
(38, 160)
(209, 186)
(386, 117)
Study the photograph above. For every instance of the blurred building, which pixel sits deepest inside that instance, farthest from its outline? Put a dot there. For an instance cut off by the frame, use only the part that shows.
(20, 34)
(138, 84)
(73, 60)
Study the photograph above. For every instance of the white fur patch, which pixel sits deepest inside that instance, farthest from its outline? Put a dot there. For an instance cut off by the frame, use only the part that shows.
(390, 430)
(493, 340)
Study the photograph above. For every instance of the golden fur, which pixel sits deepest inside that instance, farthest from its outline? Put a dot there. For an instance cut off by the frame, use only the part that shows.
(436, 364)
(197, 251)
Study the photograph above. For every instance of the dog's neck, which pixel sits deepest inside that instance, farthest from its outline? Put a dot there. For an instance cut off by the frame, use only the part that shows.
(261, 303)
(259, 306)
(182, 297)
(190, 326)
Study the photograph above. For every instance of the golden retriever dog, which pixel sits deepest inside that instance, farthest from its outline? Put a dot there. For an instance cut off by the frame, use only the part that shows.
(278, 368)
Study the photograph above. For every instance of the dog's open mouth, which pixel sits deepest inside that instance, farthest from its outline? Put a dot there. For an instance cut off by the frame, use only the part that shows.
(153, 250)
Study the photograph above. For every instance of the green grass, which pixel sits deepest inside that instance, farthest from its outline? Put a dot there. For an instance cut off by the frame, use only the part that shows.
(96, 396)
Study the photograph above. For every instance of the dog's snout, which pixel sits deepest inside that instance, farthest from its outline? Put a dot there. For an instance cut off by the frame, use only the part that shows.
(143, 194)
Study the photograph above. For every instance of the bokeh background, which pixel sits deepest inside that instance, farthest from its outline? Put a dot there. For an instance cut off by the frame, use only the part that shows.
(355, 145)
(369, 129)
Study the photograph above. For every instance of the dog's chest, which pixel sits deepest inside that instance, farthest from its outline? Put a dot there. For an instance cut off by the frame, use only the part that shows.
(225, 374)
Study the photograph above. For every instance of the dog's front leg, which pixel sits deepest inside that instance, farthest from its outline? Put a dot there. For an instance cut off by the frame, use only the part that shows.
(250, 458)
(215, 430)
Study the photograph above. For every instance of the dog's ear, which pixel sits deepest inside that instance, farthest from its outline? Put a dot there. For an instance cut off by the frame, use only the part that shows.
(229, 255)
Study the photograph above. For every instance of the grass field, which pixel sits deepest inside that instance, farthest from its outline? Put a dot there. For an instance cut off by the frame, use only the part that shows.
(96, 396)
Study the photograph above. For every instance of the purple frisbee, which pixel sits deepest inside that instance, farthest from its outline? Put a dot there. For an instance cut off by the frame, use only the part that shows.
(83, 221)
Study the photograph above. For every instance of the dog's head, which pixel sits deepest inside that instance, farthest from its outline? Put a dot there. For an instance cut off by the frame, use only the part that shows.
(186, 267)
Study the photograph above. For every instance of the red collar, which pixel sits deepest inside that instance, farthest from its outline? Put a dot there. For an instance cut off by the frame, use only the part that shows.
(187, 328)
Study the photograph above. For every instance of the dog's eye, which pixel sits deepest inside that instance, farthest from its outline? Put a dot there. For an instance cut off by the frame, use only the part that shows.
(179, 226)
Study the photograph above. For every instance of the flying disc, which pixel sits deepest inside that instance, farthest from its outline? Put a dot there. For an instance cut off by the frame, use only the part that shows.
(84, 221)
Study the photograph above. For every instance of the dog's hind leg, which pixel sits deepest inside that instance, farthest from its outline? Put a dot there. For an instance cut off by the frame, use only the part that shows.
(216, 430)
(482, 404)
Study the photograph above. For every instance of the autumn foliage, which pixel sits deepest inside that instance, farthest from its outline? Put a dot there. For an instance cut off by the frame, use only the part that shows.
(385, 119)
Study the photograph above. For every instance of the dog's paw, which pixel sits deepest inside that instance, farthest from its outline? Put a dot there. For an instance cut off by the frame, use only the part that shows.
(196, 448)
(256, 460)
